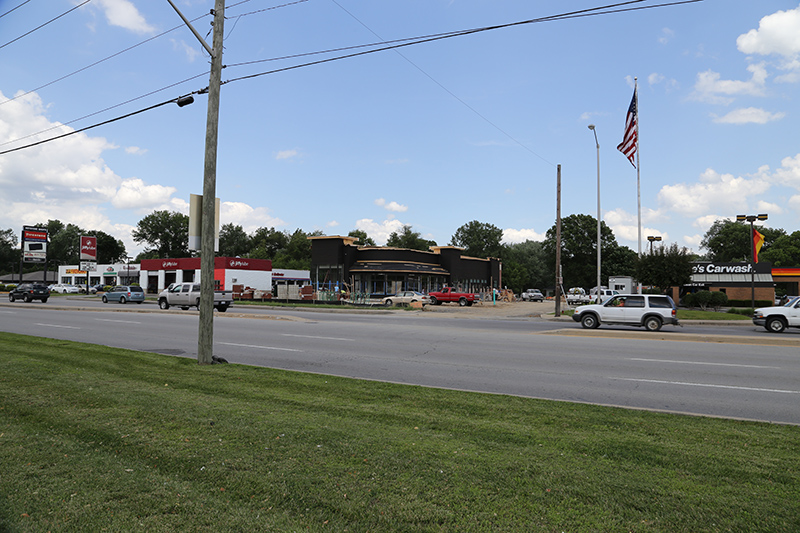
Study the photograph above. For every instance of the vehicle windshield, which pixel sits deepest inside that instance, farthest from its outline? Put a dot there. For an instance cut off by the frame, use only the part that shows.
(792, 302)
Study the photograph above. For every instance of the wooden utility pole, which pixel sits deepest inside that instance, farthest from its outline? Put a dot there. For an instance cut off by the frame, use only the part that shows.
(559, 281)
(205, 338)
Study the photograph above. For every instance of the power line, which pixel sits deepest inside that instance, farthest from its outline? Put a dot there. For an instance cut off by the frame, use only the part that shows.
(576, 14)
(14, 8)
(45, 24)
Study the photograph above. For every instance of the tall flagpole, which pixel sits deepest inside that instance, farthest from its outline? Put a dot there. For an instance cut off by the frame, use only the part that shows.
(638, 171)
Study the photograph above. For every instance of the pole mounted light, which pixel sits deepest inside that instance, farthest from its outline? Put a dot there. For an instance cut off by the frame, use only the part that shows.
(751, 219)
(652, 238)
(597, 143)
(185, 100)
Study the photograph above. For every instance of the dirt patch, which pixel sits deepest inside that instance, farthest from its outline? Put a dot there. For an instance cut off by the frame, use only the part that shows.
(496, 310)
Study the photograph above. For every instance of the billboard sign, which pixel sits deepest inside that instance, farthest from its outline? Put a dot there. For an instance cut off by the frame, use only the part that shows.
(88, 249)
(34, 244)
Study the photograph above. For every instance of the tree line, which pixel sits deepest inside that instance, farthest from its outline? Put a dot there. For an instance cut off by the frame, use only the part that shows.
(529, 264)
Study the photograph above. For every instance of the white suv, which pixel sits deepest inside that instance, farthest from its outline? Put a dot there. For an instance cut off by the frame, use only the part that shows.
(648, 310)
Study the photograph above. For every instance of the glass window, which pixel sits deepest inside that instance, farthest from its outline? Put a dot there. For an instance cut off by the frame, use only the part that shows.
(660, 302)
(634, 301)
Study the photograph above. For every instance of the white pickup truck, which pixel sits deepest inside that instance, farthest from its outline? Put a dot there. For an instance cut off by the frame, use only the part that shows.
(777, 319)
(186, 295)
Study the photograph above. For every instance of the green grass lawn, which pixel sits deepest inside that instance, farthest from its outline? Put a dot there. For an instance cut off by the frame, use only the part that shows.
(100, 439)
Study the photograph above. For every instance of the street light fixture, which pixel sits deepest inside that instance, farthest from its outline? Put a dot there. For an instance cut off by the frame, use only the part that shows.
(597, 143)
(751, 219)
(652, 238)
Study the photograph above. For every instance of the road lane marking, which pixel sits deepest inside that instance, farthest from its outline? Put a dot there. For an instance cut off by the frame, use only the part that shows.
(710, 385)
(120, 321)
(313, 337)
(57, 326)
(259, 347)
(701, 363)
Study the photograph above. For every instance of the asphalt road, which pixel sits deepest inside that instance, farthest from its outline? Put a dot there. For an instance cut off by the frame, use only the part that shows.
(726, 371)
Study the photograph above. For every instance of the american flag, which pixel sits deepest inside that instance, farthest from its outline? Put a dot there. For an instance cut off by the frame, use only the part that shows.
(630, 142)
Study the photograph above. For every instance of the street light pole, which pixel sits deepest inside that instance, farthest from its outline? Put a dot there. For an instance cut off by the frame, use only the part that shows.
(597, 143)
(751, 219)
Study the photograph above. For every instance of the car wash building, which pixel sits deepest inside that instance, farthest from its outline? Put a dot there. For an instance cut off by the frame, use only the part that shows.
(737, 280)
(377, 271)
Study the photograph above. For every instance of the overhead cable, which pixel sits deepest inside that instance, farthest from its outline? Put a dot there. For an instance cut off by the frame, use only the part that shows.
(45, 24)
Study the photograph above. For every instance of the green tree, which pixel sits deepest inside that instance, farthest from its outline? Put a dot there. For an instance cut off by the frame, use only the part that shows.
(165, 233)
(297, 254)
(266, 243)
(109, 249)
(479, 239)
(407, 238)
(579, 250)
(9, 253)
(619, 261)
(363, 238)
(729, 242)
(515, 276)
(530, 255)
(233, 241)
(665, 267)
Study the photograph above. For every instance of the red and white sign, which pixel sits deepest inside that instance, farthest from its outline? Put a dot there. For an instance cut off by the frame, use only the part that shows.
(88, 248)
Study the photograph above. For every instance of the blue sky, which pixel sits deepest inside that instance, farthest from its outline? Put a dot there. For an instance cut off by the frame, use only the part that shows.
(433, 135)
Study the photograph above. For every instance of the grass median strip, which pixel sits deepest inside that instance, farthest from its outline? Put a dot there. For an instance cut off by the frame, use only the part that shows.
(95, 438)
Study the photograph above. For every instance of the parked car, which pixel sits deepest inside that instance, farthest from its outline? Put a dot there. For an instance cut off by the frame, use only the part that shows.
(777, 319)
(532, 295)
(124, 294)
(29, 292)
(406, 297)
(65, 288)
(648, 310)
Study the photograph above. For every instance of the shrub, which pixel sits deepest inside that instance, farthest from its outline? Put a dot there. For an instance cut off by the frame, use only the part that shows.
(689, 300)
(718, 299)
(702, 299)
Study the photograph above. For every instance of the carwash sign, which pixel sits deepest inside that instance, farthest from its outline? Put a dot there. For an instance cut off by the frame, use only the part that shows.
(88, 248)
(711, 268)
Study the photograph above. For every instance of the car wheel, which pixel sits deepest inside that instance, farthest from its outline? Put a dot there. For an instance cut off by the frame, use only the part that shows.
(163, 304)
(44, 300)
(28, 299)
(434, 301)
(11, 298)
(462, 302)
(105, 300)
(652, 323)
(122, 300)
(197, 303)
(589, 321)
(775, 325)
(388, 302)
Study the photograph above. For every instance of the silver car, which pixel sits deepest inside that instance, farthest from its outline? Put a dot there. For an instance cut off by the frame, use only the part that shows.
(405, 298)
(124, 294)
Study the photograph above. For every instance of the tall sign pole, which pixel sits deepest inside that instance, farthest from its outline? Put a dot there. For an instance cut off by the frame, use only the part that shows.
(205, 339)
(559, 280)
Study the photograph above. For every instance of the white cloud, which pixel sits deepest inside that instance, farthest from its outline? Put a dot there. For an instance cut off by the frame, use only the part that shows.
(192, 52)
(123, 13)
(709, 86)
(513, 236)
(379, 231)
(136, 194)
(666, 36)
(287, 154)
(778, 33)
(714, 192)
(391, 206)
(331, 224)
(789, 173)
(250, 218)
(748, 115)
(135, 150)
(769, 207)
